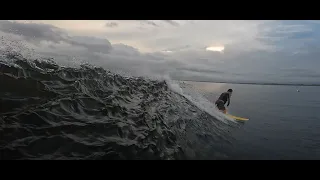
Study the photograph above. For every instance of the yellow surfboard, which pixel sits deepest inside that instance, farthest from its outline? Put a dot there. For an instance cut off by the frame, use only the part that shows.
(237, 118)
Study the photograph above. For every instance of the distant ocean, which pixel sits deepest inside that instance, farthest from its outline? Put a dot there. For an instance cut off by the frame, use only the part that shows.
(54, 112)
(284, 120)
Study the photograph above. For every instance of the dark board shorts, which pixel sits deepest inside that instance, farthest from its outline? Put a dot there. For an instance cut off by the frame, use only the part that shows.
(220, 105)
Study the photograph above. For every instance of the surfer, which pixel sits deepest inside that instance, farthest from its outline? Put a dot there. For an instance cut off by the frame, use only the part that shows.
(222, 100)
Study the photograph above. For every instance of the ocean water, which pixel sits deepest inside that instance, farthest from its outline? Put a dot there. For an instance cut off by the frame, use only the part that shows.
(49, 111)
(54, 112)
(284, 120)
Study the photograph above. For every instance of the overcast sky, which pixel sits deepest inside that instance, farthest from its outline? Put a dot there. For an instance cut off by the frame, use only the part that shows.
(189, 49)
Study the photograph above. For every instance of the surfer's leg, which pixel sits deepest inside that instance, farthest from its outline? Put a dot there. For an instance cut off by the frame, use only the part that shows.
(223, 109)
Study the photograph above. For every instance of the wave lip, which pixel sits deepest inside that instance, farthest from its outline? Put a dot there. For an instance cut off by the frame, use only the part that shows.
(53, 112)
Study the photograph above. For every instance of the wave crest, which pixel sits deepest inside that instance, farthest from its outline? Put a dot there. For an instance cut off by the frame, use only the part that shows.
(54, 112)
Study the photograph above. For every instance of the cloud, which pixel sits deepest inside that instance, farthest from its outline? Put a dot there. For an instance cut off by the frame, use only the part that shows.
(98, 51)
(147, 22)
(157, 23)
(126, 50)
(91, 43)
(254, 50)
(177, 48)
(156, 35)
(171, 22)
(111, 24)
(33, 31)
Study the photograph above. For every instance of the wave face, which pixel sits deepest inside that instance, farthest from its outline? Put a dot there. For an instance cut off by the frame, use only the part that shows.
(53, 112)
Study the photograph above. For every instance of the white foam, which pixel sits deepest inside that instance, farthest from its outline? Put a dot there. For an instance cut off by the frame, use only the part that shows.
(197, 99)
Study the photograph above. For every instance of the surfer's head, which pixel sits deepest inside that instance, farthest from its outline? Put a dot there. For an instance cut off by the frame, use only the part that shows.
(230, 91)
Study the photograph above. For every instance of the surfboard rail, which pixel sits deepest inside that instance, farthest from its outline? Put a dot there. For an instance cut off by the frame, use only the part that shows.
(237, 118)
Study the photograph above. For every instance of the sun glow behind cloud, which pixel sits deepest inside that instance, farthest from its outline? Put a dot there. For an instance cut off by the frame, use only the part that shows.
(215, 48)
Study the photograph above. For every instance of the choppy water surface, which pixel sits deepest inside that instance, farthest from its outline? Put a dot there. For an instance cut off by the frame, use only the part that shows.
(53, 112)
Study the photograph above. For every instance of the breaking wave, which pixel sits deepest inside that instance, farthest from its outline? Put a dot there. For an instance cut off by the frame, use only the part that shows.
(53, 112)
